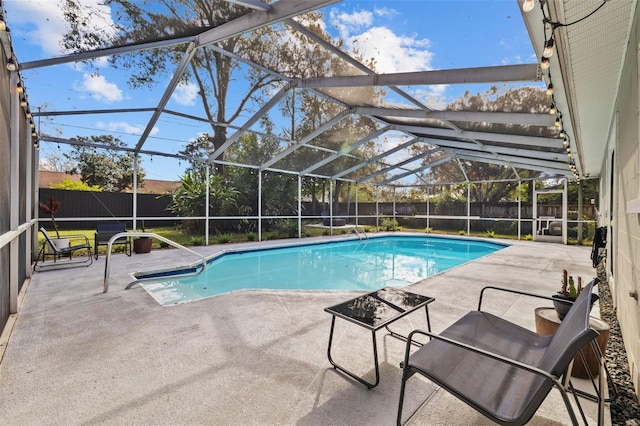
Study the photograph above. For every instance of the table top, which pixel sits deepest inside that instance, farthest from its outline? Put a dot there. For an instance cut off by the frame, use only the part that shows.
(378, 308)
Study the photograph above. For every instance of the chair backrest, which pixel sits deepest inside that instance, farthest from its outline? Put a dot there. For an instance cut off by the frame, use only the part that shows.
(112, 228)
(572, 334)
(48, 239)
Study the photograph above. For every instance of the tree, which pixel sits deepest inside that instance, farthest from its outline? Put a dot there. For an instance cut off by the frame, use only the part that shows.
(522, 99)
(189, 199)
(210, 70)
(107, 169)
(57, 163)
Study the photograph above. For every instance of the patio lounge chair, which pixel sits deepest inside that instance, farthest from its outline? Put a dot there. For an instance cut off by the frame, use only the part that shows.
(500, 369)
(104, 232)
(61, 252)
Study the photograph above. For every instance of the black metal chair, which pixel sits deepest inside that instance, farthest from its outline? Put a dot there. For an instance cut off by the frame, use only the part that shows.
(104, 232)
(500, 369)
(49, 248)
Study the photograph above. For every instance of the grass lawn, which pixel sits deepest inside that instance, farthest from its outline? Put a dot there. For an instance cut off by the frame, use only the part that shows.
(187, 240)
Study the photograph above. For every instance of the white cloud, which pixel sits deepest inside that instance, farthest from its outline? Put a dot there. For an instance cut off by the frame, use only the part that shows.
(99, 88)
(389, 51)
(42, 21)
(392, 52)
(433, 96)
(185, 94)
(347, 23)
(124, 127)
(386, 12)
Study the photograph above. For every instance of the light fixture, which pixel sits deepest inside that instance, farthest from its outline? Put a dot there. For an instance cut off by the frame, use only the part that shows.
(563, 135)
(11, 65)
(565, 142)
(568, 150)
(23, 102)
(552, 109)
(528, 5)
(557, 122)
(3, 24)
(29, 115)
(550, 89)
(548, 49)
(19, 88)
(33, 126)
(544, 63)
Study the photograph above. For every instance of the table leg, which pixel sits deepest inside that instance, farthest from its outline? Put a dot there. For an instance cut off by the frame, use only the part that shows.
(403, 337)
(349, 373)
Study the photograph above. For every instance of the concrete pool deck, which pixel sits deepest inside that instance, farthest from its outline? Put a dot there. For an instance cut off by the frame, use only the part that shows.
(80, 356)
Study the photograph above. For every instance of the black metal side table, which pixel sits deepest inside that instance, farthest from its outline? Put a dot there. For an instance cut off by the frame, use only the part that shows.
(373, 311)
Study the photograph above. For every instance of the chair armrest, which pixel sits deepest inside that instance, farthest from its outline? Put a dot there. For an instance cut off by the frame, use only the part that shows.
(509, 290)
(479, 351)
(77, 237)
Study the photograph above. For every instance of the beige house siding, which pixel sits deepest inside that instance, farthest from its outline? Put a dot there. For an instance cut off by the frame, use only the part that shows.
(624, 239)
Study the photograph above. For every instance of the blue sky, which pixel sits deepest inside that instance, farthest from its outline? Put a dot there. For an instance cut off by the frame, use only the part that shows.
(401, 35)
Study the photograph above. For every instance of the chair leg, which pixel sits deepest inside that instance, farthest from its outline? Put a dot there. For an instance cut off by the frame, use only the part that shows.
(405, 377)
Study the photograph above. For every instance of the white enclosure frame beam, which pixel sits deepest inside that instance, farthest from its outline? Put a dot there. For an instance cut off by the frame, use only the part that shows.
(506, 73)
(424, 132)
(377, 157)
(350, 148)
(303, 142)
(426, 166)
(525, 119)
(398, 165)
(253, 120)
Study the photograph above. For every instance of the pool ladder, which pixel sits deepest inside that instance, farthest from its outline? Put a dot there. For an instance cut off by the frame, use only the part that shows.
(196, 265)
(360, 237)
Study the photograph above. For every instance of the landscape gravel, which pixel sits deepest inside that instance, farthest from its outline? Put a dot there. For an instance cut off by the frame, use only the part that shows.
(625, 409)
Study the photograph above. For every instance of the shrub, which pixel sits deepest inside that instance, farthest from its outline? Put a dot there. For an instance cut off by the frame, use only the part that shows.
(462, 232)
(197, 241)
(389, 224)
(528, 237)
(428, 230)
(224, 238)
(251, 236)
(490, 233)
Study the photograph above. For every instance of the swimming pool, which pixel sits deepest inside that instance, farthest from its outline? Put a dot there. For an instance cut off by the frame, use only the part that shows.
(366, 265)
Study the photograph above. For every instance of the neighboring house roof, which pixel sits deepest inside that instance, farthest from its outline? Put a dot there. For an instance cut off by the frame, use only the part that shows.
(149, 186)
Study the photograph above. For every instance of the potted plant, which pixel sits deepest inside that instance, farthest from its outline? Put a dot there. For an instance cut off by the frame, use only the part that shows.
(142, 244)
(50, 208)
(568, 293)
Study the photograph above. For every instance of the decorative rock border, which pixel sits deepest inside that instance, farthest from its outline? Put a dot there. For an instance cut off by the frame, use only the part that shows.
(625, 409)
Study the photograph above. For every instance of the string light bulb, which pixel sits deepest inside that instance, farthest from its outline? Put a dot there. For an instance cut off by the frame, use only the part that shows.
(23, 102)
(11, 65)
(552, 109)
(544, 63)
(3, 24)
(528, 5)
(548, 49)
(19, 88)
(557, 122)
(550, 89)
(565, 142)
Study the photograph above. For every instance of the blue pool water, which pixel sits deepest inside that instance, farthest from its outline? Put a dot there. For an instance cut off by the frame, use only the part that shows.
(366, 265)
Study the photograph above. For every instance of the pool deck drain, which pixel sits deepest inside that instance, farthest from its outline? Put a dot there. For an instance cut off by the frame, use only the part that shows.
(80, 356)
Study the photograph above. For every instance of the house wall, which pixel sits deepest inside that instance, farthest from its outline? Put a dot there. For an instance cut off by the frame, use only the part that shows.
(624, 240)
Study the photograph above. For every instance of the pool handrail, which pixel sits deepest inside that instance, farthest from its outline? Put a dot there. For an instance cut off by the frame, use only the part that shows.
(364, 233)
(202, 260)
